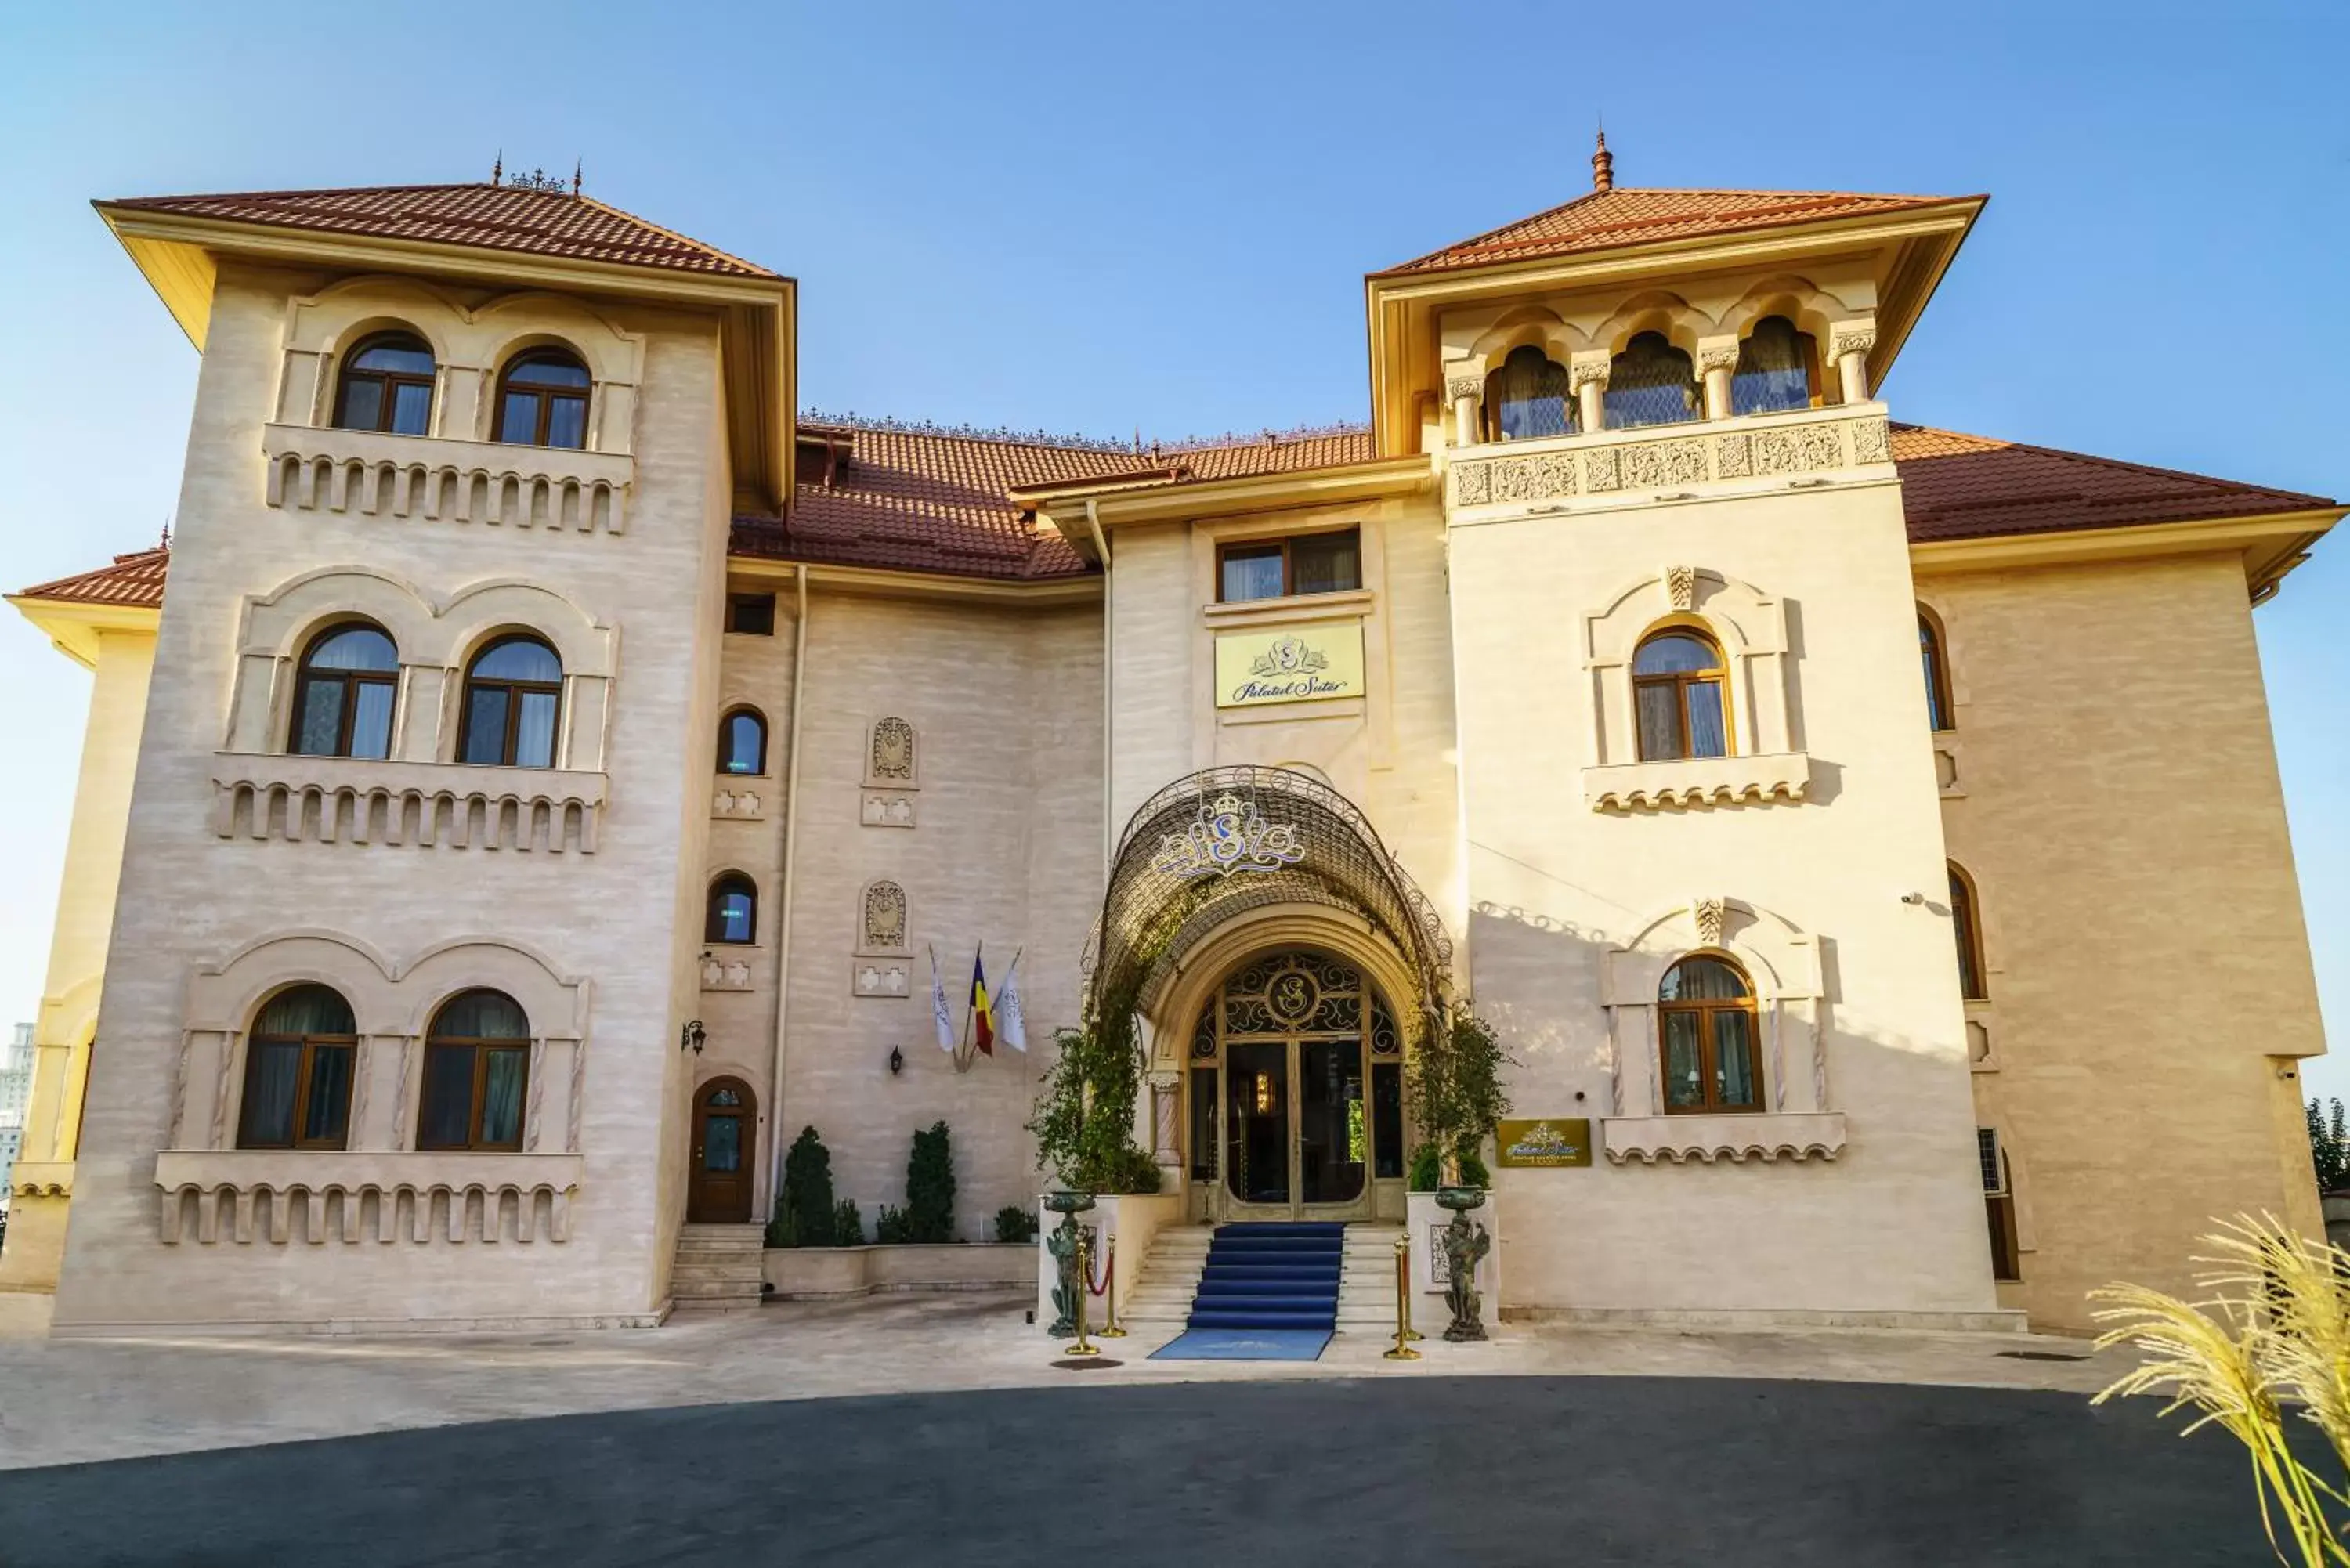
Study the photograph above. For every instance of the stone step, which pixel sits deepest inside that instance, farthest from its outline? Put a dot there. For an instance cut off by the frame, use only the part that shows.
(711, 1290)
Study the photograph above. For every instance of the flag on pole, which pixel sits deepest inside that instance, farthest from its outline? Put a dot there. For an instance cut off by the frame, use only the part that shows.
(983, 1018)
(938, 1007)
(1011, 1022)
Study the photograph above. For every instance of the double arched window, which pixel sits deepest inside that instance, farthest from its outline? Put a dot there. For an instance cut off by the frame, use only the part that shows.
(343, 693)
(743, 743)
(298, 1072)
(1650, 383)
(1529, 396)
(733, 915)
(1706, 1032)
(1778, 369)
(1966, 926)
(543, 399)
(1678, 694)
(476, 1073)
(387, 385)
(1937, 674)
(514, 696)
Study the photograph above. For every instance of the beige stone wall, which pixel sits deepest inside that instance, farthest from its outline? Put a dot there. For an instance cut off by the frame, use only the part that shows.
(2116, 802)
(623, 920)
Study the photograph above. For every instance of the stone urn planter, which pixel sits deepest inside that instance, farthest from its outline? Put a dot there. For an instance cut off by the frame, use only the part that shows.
(1465, 1243)
(1432, 1217)
(1061, 1241)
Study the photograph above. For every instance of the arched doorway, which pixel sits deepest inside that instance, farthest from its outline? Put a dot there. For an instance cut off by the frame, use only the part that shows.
(1295, 1090)
(725, 1127)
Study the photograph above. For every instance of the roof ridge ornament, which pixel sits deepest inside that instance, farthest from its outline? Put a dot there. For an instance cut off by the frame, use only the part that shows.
(1603, 165)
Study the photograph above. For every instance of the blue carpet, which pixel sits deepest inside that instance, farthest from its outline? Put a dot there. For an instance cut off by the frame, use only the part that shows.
(1244, 1344)
(1266, 1278)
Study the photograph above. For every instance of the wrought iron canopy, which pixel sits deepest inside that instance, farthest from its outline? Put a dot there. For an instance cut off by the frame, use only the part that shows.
(1210, 845)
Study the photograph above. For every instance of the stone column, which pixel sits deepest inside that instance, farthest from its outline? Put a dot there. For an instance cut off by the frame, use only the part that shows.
(1465, 392)
(1849, 343)
(1587, 375)
(1716, 359)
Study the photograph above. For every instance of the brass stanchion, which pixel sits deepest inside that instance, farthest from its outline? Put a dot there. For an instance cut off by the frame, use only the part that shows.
(1110, 1329)
(1403, 1350)
(1083, 1345)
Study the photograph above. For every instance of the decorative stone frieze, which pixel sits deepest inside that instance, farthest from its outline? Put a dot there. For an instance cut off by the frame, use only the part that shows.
(1769, 1136)
(375, 474)
(885, 809)
(738, 804)
(881, 977)
(1762, 447)
(1801, 448)
(277, 1196)
(1871, 442)
(1690, 782)
(1665, 462)
(725, 971)
(360, 800)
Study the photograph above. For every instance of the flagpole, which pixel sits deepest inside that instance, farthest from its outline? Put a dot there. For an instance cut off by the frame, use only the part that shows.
(962, 1056)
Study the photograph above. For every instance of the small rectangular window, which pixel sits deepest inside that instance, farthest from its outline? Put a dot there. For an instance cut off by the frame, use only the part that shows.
(1329, 563)
(751, 615)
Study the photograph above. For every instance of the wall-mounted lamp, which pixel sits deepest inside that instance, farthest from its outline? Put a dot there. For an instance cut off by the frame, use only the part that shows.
(692, 1036)
(897, 1061)
(1913, 900)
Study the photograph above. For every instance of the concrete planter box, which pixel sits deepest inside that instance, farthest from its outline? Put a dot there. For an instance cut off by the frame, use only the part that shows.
(819, 1274)
(1130, 1220)
(1427, 1222)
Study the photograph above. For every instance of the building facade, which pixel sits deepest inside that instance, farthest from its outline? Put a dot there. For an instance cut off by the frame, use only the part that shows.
(554, 767)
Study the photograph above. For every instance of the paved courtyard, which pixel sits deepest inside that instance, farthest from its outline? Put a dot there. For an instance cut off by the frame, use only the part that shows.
(936, 1428)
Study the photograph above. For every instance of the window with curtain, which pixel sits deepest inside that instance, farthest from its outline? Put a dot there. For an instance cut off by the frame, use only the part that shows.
(1965, 926)
(743, 743)
(1778, 369)
(543, 400)
(1705, 1026)
(1679, 695)
(343, 694)
(1998, 1205)
(1529, 397)
(1327, 562)
(387, 385)
(1650, 383)
(513, 695)
(298, 1072)
(1937, 674)
(476, 1068)
(733, 916)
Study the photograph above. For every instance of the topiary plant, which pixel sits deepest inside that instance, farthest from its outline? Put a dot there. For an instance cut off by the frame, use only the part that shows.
(805, 1214)
(891, 1227)
(931, 1186)
(1013, 1223)
(847, 1224)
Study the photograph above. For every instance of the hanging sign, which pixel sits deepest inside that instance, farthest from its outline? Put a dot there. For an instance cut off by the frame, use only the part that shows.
(1544, 1141)
(1309, 664)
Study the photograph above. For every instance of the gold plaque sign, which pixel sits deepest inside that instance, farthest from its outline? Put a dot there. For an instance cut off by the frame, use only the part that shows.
(1545, 1140)
(1310, 663)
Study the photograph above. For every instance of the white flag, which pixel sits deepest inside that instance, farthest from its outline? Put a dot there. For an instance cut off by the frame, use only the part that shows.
(1011, 1025)
(938, 1007)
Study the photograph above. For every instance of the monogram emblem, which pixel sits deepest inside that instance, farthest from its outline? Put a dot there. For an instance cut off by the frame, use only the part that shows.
(1229, 836)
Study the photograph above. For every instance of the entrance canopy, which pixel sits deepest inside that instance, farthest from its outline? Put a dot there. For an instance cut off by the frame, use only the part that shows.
(1225, 840)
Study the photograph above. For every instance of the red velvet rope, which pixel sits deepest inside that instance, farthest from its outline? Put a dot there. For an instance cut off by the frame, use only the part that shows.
(1110, 1257)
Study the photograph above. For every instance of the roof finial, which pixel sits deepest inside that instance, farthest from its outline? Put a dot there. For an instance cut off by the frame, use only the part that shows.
(1603, 165)
(165, 543)
(498, 169)
(576, 167)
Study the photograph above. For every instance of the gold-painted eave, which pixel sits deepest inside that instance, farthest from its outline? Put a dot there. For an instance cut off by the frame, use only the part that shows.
(1201, 499)
(75, 626)
(2271, 545)
(179, 256)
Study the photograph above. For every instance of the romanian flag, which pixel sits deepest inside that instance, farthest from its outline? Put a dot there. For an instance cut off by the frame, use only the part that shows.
(982, 1017)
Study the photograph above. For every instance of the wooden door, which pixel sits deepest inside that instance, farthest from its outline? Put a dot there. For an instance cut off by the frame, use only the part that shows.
(726, 1143)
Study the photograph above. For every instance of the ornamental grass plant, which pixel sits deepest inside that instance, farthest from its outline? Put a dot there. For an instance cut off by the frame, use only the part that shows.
(2266, 1350)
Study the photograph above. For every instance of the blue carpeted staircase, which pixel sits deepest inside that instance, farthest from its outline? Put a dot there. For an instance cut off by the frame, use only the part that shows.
(1271, 1276)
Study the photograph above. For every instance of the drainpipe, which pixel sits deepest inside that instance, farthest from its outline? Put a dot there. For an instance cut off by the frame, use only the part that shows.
(791, 866)
(1109, 675)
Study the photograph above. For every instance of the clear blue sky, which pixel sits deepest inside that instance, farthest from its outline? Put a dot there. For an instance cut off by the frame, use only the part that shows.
(1105, 218)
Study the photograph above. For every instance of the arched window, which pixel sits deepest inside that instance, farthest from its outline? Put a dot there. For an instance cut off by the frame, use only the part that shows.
(298, 1072)
(1778, 368)
(1937, 674)
(476, 1069)
(1678, 684)
(743, 743)
(513, 695)
(343, 693)
(1966, 926)
(543, 400)
(1650, 383)
(1529, 396)
(1705, 1029)
(387, 385)
(733, 910)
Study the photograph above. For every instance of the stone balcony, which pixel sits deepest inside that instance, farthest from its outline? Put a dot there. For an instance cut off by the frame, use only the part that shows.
(1701, 460)
(374, 474)
(361, 800)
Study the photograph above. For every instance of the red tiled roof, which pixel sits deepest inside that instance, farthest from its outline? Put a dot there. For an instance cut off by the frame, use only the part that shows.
(1613, 219)
(493, 217)
(135, 580)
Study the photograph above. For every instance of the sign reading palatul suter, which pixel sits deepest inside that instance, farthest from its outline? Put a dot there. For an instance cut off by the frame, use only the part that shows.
(1311, 663)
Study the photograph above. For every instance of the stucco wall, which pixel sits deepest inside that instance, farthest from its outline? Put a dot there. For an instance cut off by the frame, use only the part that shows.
(2149, 977)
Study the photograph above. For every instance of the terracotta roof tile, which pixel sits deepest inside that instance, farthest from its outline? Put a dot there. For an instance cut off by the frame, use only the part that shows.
(491, 217)
(1611, 220)
(134, 580)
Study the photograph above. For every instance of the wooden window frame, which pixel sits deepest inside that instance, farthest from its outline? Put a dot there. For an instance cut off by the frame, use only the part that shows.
(1814, 382)
(1966, 925)
(713, 926)
(308, 1045)
(480, 1045)
(1681, 681)
(1488, 410)
(1288, 562)
(545, 397)
(725, 722)
(306, 676)
(1708, 1055)
(393, 380)
(514, 691)
(1934, 654)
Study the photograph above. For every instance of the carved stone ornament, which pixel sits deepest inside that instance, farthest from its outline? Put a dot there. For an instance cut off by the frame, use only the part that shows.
(1658, 463)
(1473, 484)
(1801, 448)
(1229, 836)
(885, 809)
(893, 752)
(1459, 387)
(1708, 913)
(1604, 470)
(1719, 356)
(1680, 587)
(1847, 340)
(1733, 456)
(883, 926)
(1871, 442)
(1583, 373)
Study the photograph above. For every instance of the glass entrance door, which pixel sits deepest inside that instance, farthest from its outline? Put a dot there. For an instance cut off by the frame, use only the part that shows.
(1256, 1121)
